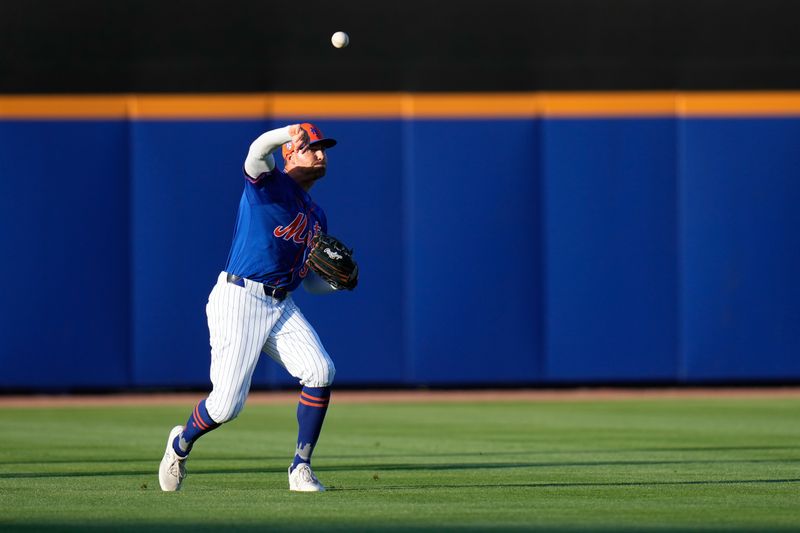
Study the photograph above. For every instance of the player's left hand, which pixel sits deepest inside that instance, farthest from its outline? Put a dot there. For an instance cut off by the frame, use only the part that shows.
(333, 262)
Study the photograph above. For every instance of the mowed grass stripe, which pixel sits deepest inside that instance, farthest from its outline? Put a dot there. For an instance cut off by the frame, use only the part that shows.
(665, 464)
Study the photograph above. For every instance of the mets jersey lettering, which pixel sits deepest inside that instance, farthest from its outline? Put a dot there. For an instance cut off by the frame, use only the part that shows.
(294, 231)
(276, 223)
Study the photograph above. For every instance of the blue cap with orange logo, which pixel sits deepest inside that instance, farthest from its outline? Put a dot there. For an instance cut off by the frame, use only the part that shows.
(315, 138)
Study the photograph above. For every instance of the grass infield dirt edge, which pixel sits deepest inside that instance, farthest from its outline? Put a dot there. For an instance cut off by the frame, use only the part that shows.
(405, 396)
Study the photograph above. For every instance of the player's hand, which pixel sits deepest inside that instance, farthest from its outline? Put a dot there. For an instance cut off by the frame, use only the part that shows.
(299, 138)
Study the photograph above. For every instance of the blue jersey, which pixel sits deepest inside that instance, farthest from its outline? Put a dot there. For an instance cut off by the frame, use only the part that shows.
(276, 221)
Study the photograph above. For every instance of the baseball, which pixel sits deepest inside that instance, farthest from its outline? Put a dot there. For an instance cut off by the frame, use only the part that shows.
(340, 39)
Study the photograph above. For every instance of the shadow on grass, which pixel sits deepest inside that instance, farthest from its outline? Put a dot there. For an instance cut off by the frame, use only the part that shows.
(587, 484)
(383, 527)
(492, 466)
(128, 460)
(415, 455)
(383, 467)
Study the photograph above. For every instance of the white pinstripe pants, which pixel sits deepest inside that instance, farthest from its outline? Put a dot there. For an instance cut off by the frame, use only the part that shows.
(243, 322)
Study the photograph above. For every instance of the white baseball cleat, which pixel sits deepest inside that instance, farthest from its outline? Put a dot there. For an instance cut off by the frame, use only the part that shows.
(302, 479)
(172, 469)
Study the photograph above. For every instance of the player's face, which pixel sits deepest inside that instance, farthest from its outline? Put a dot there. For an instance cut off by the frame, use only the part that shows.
(313, 159)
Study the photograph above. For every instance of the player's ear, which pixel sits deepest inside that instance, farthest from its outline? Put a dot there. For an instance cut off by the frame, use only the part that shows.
(288, 159)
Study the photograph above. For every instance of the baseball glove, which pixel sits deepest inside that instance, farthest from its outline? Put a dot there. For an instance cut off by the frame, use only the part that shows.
(333, 262)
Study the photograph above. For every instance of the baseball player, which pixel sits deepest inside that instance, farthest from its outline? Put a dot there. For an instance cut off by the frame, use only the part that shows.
(250, 309)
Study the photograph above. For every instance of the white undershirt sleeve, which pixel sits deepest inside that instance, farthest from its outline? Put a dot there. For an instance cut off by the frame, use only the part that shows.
(259, 158)
(313, 284)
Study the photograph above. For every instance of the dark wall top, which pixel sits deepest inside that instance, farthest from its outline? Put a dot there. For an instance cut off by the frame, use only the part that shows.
(413, 45)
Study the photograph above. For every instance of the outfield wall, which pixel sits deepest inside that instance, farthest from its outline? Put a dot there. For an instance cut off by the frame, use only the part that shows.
(522, 238)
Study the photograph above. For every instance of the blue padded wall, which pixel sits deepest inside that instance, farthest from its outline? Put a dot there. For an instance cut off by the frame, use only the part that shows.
(64, 232)
(473, 251)
(740, 255)
(496, 251)
(610, 269)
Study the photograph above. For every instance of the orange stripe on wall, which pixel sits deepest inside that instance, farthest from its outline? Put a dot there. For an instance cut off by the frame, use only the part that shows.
(740, 104)
(64, 107)
(474, 105)
(288, 106)
(345, 105)
(618, 104)
(188, 106)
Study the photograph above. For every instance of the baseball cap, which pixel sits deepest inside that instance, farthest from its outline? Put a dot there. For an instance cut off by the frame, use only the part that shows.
(315, 137)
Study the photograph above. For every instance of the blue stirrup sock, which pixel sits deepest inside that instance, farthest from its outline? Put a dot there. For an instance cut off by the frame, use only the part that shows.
(310, 414)
(199, 424)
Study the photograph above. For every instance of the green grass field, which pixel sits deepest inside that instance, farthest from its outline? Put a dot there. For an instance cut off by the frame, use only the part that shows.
(657, 464)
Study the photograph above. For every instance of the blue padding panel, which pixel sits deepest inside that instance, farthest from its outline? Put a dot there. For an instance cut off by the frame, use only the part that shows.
(473, 244)
(740, 230)
(187, 180)
(65, 269)
(611, 276)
